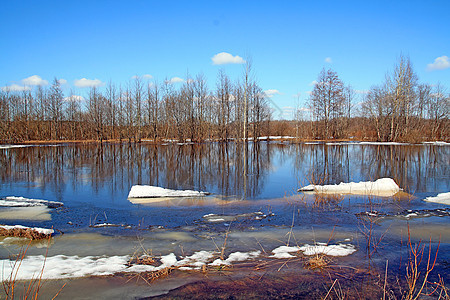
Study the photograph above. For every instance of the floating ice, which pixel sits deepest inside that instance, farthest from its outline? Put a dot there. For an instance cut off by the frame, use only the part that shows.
(147, 191)
(381, 187)
(442, 198)
(13, 201)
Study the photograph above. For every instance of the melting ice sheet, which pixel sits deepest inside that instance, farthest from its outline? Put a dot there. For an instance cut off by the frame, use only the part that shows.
(147, 191)
(382, 187)
(37, 213)
(442, 198)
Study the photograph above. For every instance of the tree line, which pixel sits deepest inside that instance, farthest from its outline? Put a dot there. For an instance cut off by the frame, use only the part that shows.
(399, 109)
(139, 110)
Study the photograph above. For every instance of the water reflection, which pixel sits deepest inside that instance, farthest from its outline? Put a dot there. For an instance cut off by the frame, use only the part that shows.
(245, 171)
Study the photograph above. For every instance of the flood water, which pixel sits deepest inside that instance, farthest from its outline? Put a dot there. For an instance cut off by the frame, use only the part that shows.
(253, 198)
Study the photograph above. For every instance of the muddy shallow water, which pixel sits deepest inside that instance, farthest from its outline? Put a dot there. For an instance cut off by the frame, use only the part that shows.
(254, 206)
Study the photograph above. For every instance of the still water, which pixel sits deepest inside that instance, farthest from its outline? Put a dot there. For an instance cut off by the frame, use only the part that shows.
(253, 192)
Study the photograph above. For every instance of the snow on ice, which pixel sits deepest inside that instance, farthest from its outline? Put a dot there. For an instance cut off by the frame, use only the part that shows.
(147, 191)
(381, 187)
(442, 198)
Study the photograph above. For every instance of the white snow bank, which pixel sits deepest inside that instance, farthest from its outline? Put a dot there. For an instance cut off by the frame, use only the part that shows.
(147, 191)
(37, 229)
(384, 143)
(319, 248)
(381, 187)
(442, 198)
(13, 201)
(14, 146)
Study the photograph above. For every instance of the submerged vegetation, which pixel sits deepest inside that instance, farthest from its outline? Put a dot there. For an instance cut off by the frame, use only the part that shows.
(400, 109)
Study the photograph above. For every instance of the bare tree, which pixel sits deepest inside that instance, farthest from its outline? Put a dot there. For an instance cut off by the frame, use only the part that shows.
(327, 102)
(55, 99)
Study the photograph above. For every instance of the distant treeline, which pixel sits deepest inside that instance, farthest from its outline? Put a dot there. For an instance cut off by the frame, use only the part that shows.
(400, 109)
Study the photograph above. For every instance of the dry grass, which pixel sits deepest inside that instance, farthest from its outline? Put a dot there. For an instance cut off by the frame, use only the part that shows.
(317, 262)
(30, 290)
(24, 232)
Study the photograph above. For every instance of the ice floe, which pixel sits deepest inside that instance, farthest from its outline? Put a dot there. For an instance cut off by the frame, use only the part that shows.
(13, 201)
(147, 191)
(381, 187)
(442, 198)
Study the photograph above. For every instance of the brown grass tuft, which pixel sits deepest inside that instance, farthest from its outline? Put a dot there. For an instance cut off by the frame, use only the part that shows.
(24, 232)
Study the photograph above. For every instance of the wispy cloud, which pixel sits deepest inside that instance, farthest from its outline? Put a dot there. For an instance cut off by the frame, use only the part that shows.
(440, 63)
(34, 80)
(84, 82)
(328, 60)
(272, 92)
(145, 76)
(224, 58)
(313, 83)
(175, 80)
(62, 81)
(15, 88)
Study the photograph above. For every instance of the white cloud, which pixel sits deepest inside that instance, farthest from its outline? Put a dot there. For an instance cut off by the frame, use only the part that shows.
(328, 60)
(145, 76)
(272, 92)
(83, 82)
(15, 88)
(74, 98)
(175, 80)
(440, 63)
(62, 81)
(361, 92)
(313, 83)
(34, 80)
(224, 58)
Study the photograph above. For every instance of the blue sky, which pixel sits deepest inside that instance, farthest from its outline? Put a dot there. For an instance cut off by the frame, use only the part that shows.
(289, 42)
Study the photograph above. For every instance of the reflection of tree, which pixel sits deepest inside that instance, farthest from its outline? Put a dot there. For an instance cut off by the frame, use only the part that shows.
(415, 168)
(223, 168)
(215, 167)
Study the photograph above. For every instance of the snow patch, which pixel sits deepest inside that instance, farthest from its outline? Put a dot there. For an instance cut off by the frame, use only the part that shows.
(381, 187)
(319, 248)
(236, 257)
(331, 250)
(442, 198)
(147, 191)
